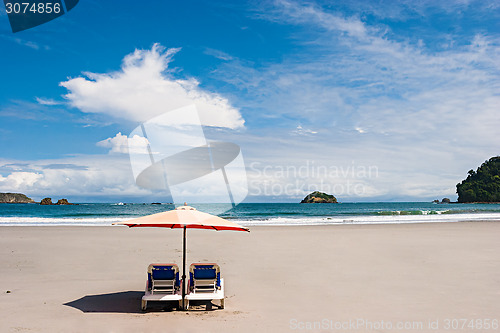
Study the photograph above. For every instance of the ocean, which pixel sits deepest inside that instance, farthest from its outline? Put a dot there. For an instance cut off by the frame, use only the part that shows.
(254, 214)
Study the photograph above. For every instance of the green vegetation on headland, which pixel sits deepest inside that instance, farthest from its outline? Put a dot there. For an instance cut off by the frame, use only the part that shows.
(482, 185)
(14, 198)
(319, 197)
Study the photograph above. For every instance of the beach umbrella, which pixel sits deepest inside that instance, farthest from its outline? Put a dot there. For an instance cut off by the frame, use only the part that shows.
(183, 217)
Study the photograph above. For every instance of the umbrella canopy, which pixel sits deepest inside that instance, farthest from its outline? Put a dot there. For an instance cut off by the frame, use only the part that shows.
(183, 217)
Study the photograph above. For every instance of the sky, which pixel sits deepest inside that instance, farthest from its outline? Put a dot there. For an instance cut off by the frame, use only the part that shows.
(365, 100)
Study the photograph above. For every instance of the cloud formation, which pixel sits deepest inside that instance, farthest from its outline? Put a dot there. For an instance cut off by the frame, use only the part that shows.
(122, 144)
(422, 112)
(47, 101)
(144, 88)
(88, 177)
(20, 180)
(362, 87)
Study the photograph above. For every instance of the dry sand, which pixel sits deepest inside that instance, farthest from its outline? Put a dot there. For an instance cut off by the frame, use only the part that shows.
(278, 279)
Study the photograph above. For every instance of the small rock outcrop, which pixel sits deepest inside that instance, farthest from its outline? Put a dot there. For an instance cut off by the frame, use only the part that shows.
(319, 197)
(46, 201)
(445, 200)
(63, 202)
(15, 198)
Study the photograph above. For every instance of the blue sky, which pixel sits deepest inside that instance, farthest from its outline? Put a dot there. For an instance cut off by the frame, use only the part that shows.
(389, 100)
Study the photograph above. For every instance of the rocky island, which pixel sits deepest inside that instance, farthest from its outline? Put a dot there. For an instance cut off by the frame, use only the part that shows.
(319, 197)
(15, 198)
(444, 201)
(48, 201)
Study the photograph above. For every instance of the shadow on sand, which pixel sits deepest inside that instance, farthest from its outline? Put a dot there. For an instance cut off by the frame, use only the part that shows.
(130, 302)
(122, 302)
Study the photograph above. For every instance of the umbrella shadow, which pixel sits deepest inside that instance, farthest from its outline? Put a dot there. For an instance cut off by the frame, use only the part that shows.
(121, 302)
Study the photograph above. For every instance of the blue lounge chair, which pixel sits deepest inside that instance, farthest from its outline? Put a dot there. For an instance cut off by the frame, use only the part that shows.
(205, 283)
(163, 284)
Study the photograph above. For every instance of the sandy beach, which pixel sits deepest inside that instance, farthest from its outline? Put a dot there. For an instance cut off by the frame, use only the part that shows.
(353, 278)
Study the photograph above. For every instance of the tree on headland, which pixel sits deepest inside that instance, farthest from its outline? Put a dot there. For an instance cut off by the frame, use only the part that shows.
(482, 185)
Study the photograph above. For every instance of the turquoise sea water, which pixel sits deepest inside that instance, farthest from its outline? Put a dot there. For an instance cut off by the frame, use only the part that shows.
(256, 214)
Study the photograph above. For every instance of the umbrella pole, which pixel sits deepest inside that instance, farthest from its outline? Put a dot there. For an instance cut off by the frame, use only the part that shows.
(184, 270)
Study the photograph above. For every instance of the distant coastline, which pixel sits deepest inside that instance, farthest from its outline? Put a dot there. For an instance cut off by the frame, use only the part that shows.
(20, 198)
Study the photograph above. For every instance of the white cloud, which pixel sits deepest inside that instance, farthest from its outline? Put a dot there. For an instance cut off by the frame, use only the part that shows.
(144, 88)
(218, 54)
(23, 42)
(303, 131)
(122, 144)
(47, 101)
(304, 13)
(20, 180)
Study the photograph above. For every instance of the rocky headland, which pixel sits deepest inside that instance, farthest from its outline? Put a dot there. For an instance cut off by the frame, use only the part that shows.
(482, 185)
(15, 198)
